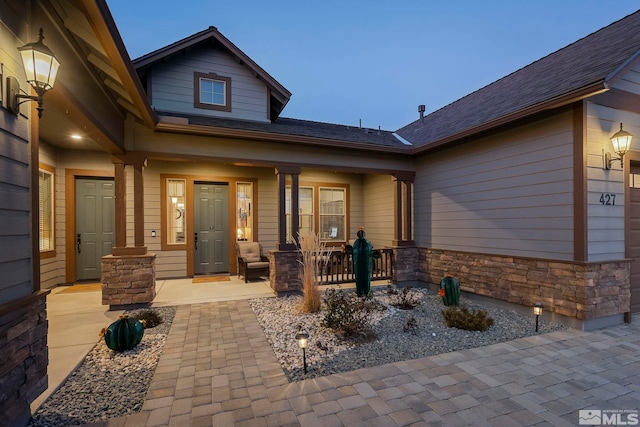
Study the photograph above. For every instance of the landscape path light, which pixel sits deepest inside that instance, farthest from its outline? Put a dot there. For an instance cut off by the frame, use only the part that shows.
(537, 310)
(303, 341)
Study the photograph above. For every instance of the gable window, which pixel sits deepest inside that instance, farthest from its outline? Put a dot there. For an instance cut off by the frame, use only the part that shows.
(212, 92)
(46, 211)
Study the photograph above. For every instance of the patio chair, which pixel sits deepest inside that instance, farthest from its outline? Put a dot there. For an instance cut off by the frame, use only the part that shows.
(251, 262)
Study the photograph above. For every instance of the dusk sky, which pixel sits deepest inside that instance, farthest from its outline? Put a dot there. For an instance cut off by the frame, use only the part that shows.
(375, 61)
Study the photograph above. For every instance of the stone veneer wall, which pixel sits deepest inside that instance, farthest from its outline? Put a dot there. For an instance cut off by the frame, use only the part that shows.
(284, 271)
(24, 357)
(128, 279)
(580, 290)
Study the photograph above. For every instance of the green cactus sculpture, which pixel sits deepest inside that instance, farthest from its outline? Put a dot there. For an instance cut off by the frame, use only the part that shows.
(362, 262)
(450, 290)
(123, 334)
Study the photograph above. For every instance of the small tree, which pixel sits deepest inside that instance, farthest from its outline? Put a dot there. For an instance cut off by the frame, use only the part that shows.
(313, 257)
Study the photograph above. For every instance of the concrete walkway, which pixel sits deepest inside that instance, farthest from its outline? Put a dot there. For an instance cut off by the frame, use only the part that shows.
(217, 369)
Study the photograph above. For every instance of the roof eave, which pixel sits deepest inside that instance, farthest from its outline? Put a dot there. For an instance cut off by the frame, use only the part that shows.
(275, 137)
(105, 28)
(559, 101)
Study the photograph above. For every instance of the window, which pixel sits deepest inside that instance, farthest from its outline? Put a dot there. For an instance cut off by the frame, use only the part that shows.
(328, 216)
(212, 92)
(306, 218)
(333, 218)
(244, 219)
(46, 210)
(176, 214)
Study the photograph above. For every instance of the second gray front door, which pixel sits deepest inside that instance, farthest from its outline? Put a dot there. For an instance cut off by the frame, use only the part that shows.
(211, 217)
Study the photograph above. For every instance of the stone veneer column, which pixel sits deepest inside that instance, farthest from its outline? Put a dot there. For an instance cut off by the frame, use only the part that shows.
(128, 279)
(24, 357)
(405, 264)
(585, 291)
(284, 271)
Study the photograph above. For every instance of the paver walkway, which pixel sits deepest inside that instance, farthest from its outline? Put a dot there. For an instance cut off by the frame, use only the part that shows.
(217, 369)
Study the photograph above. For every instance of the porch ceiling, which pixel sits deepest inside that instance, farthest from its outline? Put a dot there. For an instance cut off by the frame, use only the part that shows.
(94, 92)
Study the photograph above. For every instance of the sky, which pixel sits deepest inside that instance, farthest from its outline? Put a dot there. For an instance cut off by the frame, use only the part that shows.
(373, 62)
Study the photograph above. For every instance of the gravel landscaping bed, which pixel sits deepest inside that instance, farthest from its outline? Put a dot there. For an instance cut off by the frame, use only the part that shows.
(281, 319)
(107, 384)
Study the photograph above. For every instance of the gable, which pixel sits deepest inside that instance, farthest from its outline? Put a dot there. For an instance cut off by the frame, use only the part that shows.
(277, 95)
(174, 85)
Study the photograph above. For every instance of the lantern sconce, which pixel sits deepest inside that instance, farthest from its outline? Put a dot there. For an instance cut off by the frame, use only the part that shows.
(621, 142)
(40, 67)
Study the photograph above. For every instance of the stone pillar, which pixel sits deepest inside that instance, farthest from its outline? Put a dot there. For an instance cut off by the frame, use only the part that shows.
(284, 271)
(128, 280)
(405, 264)
(24, 357)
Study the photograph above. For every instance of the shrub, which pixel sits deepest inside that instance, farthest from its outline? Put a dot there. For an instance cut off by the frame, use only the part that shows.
(148, 318)
(350, 315)
(405, 300)
(411, 325)
(462, 318)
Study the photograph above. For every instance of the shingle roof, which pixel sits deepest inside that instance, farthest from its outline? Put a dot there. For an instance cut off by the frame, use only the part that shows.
(589, 61)
(303, 128)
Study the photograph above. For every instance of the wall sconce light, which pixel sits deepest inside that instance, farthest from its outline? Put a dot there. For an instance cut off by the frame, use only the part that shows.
(40, 67)
(621, 141)
(303, 342)
(537, 310)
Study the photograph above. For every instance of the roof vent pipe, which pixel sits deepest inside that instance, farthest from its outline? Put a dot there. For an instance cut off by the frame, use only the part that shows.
(421, 109)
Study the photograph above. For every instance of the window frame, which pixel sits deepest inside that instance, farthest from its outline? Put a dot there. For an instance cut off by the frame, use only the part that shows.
(197, 101)
(164, 229)
(316, 208)
(47, 253)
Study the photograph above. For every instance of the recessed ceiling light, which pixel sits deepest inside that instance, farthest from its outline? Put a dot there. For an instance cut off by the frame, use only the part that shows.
(76, 137)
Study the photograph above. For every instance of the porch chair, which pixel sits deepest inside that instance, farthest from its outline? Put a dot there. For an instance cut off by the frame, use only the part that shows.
(251, 262)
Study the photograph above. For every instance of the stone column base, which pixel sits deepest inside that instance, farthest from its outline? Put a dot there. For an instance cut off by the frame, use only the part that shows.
(128, 280)
(284, 271)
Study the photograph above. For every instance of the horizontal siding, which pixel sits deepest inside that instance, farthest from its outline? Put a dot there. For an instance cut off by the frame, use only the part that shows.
(509, 194)
(15, 201)
(379, 209)
(630, 81)
(173, 85)
(606, 224)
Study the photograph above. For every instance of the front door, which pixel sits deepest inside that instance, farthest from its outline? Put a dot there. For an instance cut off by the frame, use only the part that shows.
(211, 217)
(95, 225)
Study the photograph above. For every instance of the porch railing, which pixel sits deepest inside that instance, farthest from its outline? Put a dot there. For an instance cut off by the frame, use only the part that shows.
(338, 267)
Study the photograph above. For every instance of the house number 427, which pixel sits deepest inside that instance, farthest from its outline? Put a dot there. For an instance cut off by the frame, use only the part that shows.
(608, 199)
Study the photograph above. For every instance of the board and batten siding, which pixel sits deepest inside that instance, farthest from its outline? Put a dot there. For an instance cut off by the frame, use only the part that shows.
(508, 194)
(606, 222)
(173, 85)
(379, 210)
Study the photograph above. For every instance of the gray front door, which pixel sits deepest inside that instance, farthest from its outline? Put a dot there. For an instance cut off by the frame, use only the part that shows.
(211, 216)
(95, 225)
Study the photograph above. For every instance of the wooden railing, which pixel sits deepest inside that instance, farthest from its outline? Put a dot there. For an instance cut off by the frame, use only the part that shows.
(338, 267)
